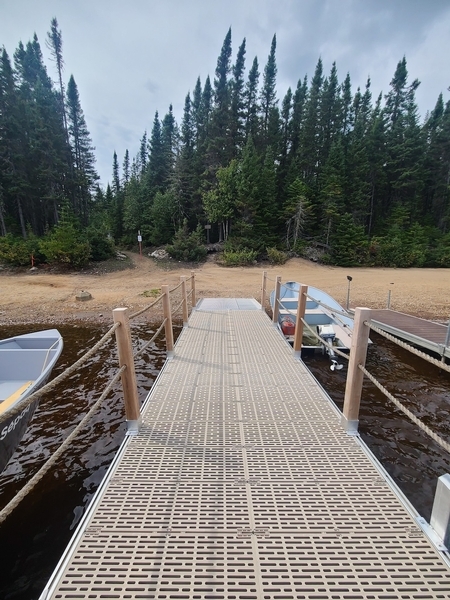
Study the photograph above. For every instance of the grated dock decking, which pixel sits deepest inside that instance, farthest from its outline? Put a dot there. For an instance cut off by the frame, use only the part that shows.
(242, 485)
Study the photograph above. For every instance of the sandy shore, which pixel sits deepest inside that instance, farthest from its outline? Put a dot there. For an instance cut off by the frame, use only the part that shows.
(43, 297)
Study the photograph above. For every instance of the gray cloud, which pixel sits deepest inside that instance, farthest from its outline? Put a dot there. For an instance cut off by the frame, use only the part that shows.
(131, 59)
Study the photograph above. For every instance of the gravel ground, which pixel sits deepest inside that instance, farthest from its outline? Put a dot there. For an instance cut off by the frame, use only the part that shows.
(47, 297)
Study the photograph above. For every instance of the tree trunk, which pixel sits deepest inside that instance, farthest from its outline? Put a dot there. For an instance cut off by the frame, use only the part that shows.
(22, 221)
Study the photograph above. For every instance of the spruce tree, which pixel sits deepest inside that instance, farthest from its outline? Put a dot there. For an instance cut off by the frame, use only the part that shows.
(237, 130)
(126, 169)
(156, 167)
(268, 92)
(82, 152)
(309, 148)
(54, 43)
(220, 145)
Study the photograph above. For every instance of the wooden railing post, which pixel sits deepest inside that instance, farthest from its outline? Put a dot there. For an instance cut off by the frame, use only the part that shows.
(353, 387)
(185, 303)
(128, 377)
(263, 290)
(168, 317)
(193, 299)
(276, 308)
(301, 309)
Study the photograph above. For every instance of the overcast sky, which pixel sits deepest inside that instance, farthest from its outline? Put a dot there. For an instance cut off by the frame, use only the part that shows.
(132, 58)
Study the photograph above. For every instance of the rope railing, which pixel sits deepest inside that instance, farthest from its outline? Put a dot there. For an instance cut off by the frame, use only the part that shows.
(283, 285)
(314, 333)
(437, 363)
(177, 308)
(445, 445)
(176, 287)
(357, 370)
(147, 344)
(146, 308)
(8, 509)
(16, 409)
(357, 357)
(333, 310)
(126, 372)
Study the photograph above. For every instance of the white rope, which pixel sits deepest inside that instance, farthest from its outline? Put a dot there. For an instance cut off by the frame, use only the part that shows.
(143, 310)
(333, 310)
(445, 445)
(8, 509)
(158, 331)
(430, 359)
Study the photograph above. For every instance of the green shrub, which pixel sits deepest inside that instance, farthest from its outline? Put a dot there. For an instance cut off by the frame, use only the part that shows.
(64, 245)
(17, 251)
(239, 258)
(187, 247)
(102, 246)
(276, 257)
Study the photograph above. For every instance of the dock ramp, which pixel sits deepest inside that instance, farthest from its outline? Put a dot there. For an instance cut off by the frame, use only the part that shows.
(241, 484)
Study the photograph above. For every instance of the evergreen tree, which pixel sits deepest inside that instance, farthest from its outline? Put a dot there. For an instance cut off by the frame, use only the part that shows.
(220, 146)
(237, 131)
(357, 159)
(349, 243)
(298, 110)
(268, 92)
(54, 43)
(332, 186)
(251, 103)
(116, 175)
(82, 152)
(143, 153)
(184, 175)
(156, 166)
(308, 154)
(437, 164)
(13, 149)
(117, 204)
(126, 168)
(329, 114)
(44, 146)
(404, 143)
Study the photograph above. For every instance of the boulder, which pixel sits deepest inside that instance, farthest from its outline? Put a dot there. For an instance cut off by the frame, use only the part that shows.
(83, 296)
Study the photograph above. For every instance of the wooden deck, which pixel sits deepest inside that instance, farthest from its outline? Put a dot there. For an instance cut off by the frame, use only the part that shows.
(420, 332)
(242, 484)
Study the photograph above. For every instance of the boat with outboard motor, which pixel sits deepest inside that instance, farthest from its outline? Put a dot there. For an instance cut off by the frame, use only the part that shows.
(26, 362)
(328, 322)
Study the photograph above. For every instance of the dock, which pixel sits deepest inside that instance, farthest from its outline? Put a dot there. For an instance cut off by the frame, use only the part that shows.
(242, 484)
(420, 332)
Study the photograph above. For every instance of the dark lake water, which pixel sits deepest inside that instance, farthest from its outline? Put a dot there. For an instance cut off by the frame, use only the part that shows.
(34, 537)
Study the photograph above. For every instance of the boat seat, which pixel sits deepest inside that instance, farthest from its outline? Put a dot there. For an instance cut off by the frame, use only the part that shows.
(10, 391)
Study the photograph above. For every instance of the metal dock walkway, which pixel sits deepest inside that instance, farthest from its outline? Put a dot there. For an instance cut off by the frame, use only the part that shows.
(242, 484)
(420, 332)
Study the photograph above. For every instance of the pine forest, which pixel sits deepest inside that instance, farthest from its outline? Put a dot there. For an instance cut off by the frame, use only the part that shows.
(341, 176)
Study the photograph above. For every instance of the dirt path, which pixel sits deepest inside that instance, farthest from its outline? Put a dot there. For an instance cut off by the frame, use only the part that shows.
(41, 297)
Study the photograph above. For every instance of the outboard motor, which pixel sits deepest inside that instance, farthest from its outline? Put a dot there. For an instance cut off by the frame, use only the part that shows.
(327, 333)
